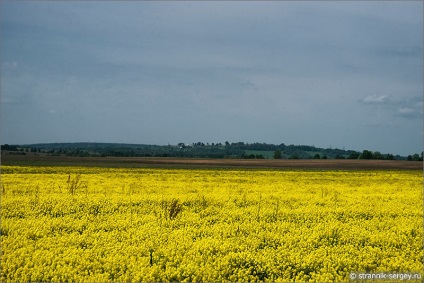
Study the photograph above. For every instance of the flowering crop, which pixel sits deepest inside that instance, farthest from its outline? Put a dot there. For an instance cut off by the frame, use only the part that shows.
(62, 224)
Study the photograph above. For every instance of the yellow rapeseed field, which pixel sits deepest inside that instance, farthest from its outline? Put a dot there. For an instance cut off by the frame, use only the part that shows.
(79, 224)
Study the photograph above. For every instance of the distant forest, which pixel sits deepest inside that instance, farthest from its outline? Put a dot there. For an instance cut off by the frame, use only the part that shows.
(200, 150)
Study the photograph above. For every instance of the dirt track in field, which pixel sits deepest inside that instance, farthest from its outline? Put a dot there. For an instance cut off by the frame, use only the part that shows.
(334, 164)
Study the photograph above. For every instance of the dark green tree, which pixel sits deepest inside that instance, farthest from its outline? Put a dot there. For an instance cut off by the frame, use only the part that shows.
(377, 155)
(277, 154)
(366, 154)
(390, 156)
(416, 157)
(353, 156)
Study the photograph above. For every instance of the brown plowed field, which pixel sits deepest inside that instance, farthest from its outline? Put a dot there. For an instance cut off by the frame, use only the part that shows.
(334, 164)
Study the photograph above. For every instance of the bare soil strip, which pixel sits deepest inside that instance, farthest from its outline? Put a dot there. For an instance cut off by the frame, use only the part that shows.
(329, 164)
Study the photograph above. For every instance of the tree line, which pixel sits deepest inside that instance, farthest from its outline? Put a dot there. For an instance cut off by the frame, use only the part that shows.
(202, 150)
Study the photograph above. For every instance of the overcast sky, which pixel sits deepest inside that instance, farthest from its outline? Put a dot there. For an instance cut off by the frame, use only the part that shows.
(341, 74)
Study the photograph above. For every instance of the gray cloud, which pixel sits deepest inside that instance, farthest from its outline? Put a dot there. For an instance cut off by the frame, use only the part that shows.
(156, 72)
(395, 107)
(376, 99)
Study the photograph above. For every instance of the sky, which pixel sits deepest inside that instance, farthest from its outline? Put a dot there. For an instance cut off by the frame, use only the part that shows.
(334, 74)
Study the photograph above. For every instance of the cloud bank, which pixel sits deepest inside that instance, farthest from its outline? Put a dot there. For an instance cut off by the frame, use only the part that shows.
(345, 74)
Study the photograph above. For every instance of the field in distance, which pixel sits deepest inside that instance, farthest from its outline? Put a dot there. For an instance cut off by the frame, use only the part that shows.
(327, 164)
